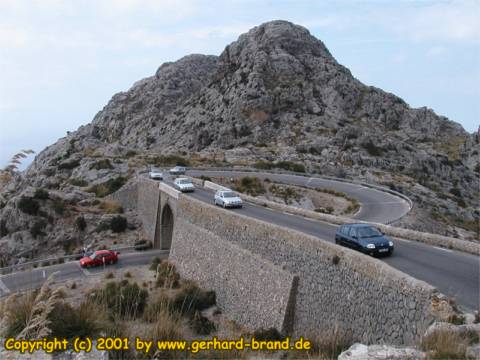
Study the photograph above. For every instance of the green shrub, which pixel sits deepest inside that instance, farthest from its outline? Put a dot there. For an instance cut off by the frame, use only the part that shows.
(290, 166)
(124, 299)
(372, 149)
(78, 182)
(101, 164)
(456, 192)
(118, 224)
(167, 275)
(250, 185)
(191, 299)
(263, 165)
(108, 187)
(102, 226)
(169, 160)
(3, 228)
(68, 323)
(17, 313)
(285, 192)
(286, 165)
(37, 228)
(80, 223)
(28, 205)
(59, 206)
(41, 194)
(130, 153)
(201, 325)
(69, 165)
(154, 308)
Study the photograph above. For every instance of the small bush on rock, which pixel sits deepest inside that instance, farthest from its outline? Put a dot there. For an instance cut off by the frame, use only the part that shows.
(59, 206)
(201, 325)
(191, 299)
(101, 164)
(78, 182)
(41, 194)
(37, 228)
(69, 165)
(80, 223)
(28, 205)
(108, 187)
(118, 224)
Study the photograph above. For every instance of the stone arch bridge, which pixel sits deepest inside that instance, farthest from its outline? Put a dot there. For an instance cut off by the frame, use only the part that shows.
(267, 275)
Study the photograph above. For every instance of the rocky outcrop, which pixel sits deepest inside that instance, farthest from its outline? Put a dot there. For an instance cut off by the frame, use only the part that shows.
(380, 352)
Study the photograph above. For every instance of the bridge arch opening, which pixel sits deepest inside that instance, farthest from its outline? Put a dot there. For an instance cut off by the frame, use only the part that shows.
(166, 231)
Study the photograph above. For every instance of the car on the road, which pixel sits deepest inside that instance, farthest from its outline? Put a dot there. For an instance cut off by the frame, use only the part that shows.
(177, 170)
(227, 199)
(99, 257)
(184, 184)
(155, 174)
(365, 238)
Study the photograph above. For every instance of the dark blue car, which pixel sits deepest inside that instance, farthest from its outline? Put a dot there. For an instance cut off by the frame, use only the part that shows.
(364, 238)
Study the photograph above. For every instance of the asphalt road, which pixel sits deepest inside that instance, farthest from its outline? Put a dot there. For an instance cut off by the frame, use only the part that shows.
(32, 279)
(376, 206)
(453, 273)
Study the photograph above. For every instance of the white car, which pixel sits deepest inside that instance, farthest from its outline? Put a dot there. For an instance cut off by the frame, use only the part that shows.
(155, 174)
(177, 170)
(227, 199)
(184, 185)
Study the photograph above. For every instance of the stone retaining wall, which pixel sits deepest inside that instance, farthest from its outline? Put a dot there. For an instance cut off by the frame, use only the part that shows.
(127, 196)
(249, 289)
(368, 300)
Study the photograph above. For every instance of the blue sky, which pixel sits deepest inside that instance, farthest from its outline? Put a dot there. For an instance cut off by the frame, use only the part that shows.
(61, 61)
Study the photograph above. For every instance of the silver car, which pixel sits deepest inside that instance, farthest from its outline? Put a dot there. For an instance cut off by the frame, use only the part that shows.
(184, 185)
(177, 170)
(227, 199)
(155, 174)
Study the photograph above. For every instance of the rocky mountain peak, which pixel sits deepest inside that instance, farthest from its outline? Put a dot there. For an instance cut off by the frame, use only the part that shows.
(275, 38)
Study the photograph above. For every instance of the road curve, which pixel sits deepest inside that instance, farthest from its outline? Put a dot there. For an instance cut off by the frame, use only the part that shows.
(33, 279)
(376, 206)
(454, 273)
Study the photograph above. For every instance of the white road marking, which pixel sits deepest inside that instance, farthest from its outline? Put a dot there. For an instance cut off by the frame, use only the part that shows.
(3, 287)
(440, 248)
(403, 240)
(382, 202)
(85, 271)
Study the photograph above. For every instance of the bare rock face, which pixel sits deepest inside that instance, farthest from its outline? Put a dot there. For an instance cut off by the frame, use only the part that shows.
(275, 94)
(372, 352)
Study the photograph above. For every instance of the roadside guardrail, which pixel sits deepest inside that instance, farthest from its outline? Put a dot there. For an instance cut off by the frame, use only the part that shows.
(54, 260)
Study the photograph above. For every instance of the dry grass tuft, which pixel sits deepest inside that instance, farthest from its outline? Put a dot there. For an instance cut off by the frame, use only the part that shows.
(111, 207)
(328, 346)
(27, 315)
(445, 344)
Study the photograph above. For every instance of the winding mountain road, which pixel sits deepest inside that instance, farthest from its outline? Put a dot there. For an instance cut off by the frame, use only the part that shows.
(452, 272)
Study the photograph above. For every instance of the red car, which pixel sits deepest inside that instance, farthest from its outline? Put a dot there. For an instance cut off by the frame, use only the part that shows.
(99, 258)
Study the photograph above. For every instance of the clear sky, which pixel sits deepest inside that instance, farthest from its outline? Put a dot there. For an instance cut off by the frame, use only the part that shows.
(61, 61)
